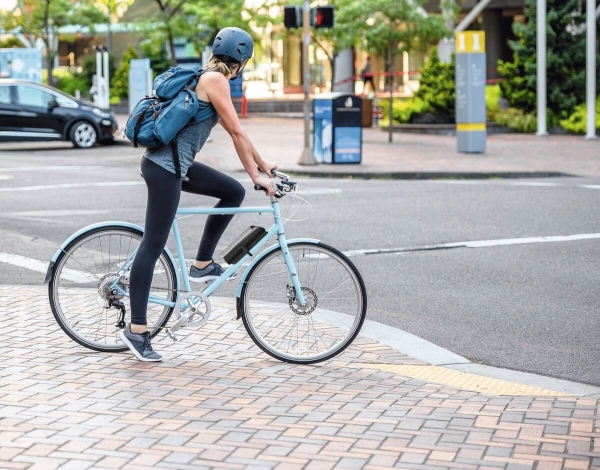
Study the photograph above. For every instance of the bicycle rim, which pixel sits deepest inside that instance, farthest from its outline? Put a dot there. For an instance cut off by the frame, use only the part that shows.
(283, 328)
(79, 290)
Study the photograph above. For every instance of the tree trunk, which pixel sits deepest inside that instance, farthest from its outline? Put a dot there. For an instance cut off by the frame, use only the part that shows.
(50, 63)
(391, 85)
(171, 47)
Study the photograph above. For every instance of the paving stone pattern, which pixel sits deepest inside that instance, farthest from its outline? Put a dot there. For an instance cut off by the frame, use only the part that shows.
(218, 402)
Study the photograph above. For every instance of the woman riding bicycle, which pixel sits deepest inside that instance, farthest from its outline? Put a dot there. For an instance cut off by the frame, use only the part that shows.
(231, 50)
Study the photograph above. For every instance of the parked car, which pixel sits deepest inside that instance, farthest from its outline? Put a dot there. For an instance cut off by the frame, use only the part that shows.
(34, 112)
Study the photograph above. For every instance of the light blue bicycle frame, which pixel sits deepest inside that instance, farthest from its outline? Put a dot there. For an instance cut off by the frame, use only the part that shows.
(276, 228)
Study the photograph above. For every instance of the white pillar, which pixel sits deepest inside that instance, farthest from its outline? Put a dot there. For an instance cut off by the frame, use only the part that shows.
(98, 100)
(541, 68)
(590, 70)
(344, 71)
(106, 80)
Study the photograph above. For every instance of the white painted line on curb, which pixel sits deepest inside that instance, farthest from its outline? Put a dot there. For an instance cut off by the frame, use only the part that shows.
(477, 244)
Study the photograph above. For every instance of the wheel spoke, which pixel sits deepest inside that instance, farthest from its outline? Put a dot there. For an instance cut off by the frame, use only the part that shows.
(274, 321)
(83, 310)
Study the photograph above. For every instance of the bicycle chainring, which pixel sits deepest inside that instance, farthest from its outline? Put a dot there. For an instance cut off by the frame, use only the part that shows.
(199, 305)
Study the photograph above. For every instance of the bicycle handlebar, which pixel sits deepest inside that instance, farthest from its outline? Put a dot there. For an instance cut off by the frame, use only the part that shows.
(284, 186)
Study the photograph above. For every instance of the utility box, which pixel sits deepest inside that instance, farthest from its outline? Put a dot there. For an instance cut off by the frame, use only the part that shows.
(337, 128)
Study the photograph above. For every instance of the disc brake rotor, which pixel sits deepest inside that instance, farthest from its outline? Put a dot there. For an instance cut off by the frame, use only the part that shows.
(310, 298)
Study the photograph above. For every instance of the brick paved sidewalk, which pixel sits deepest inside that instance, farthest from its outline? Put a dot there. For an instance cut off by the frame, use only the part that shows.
(282, 140)
(218, 402)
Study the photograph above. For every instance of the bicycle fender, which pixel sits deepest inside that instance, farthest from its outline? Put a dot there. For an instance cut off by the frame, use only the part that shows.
(260, 256)
(118, 223)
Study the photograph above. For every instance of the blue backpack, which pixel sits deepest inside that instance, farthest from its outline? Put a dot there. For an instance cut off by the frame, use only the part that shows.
(157, 119)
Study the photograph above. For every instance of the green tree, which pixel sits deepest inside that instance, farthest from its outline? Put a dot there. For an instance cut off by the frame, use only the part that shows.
(194, 20)
(331, 41)
(436, 85)
(156, 53)
(120, 80)
(565, 59)
(10, 42)
(390, 28)
(41, 19)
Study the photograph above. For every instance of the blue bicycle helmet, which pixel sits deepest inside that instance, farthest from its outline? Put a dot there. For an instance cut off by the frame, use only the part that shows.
(233, 46)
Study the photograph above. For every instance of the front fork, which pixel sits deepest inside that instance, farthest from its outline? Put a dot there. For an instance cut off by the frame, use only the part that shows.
(289, 261)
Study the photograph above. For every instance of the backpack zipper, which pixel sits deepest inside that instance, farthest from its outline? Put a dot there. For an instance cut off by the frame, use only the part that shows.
(187, 102)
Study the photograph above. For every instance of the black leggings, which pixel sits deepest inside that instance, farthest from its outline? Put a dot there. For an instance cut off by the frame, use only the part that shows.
(164, 191)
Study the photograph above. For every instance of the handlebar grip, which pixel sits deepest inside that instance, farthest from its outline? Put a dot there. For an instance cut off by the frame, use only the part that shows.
(279, 193)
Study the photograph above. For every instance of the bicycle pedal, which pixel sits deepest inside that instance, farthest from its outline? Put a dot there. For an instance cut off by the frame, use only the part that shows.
(172, 336)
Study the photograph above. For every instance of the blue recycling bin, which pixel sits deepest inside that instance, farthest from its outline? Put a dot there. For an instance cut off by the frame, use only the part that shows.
(337, 128)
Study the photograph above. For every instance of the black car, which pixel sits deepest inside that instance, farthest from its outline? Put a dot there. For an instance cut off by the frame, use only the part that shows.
(34, 112)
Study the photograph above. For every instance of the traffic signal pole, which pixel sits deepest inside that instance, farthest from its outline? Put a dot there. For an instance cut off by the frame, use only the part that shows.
(307, 157)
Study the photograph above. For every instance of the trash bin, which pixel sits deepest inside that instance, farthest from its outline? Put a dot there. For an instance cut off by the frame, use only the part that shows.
(367, 113)
(337, 128)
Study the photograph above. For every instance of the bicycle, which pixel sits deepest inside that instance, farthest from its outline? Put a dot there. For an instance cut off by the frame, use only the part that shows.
(301, 301)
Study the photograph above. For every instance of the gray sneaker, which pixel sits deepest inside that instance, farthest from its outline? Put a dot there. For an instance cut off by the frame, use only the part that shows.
(209, 273)
(140, 345)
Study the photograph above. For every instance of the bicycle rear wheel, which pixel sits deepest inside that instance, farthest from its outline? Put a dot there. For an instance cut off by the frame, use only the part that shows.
(335, 311)
(79, 291)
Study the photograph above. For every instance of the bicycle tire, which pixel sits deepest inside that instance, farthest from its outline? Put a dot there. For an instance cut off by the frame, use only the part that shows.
(58, 310)
(271, 291)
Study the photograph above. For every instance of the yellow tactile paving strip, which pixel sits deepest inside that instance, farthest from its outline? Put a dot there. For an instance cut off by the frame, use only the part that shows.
(465, 380)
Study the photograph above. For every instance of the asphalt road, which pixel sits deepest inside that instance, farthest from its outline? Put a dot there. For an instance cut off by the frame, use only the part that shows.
(526, 306)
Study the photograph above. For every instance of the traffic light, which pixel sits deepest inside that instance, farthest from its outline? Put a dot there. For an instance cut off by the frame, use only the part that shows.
(322, 17)
(292, 16)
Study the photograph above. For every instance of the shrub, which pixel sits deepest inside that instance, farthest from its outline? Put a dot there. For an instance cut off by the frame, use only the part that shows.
(436, 85)
(404, 110)
(119, 85)
(67, 81)
(565, 59)
(492, 95)
(521, 121)
(517, 120)
(576, 122)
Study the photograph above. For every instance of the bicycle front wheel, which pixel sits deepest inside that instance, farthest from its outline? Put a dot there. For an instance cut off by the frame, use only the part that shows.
(335, 309)
(80, 294)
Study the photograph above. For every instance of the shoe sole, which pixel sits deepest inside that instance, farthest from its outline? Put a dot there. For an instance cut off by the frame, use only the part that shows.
(199, 280)
(134, 351)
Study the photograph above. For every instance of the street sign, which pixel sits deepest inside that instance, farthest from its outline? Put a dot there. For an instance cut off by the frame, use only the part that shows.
(140, 81)
(21, 63)
(470, 79)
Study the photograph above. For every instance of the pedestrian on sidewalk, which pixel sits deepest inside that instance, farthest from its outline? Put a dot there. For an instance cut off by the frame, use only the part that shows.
(232, 49)
(367, 76)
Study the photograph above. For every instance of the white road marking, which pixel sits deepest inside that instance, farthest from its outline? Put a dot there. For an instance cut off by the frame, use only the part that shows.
(590, 186)
(320, 191)
(42, 266)
(72, 185)
(6, 177)
(478, 244)
(51, 168)
(59, 213)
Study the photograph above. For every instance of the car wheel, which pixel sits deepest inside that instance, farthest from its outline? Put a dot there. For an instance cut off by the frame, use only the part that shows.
(83, 134)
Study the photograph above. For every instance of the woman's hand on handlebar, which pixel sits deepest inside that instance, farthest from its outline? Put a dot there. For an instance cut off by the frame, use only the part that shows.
(266, 183)
(267, 168)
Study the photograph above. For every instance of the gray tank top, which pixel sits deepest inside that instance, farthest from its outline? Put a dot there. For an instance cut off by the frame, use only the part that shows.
(189, 142)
